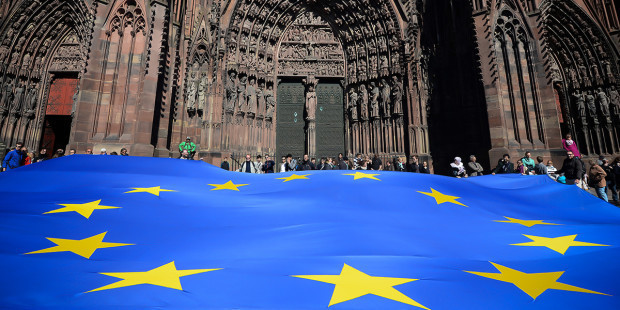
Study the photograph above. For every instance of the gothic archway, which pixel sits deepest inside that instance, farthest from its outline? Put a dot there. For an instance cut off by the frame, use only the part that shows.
(41, 43)
(585, 75)
(373, 44)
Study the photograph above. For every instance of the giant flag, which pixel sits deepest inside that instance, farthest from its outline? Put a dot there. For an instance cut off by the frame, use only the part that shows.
(112, 232)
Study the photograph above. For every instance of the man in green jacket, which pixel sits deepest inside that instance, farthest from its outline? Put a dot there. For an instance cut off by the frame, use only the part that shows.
(189, 146)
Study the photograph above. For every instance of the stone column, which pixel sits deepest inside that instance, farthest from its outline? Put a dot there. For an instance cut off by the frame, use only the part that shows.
(311, 105)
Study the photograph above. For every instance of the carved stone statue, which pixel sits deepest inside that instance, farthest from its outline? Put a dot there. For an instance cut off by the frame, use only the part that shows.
(363, 102)
(7, 95)
(397, 96)
(231, 92)
(374, 100)
(353, 104)
(271, 102)
(260, 99)
(32, 97)
(202, 93)
(311, 103)
(17, 99)
(580, 103)
(252, 101)
(591, 106)
(603, 102)
(191, 95)
(614, 99)
(386, 94)
(241, 90)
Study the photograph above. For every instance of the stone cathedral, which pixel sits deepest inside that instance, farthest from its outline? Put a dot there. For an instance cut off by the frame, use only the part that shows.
(438, 79)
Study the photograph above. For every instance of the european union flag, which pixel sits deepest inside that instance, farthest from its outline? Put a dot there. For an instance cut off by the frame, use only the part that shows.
(112, 232)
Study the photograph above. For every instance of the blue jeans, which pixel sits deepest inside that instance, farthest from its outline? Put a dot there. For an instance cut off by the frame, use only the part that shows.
(601, 192)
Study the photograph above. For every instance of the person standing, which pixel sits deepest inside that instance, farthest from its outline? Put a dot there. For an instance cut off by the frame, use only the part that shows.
(377, 164)
(283, 164)
(225, 164)
(413, 165)
(269, 165)
(124, 152)
(596, 177)
(248, 166)
(14, 158)
(569, 145)
(259, 164)
(474, 168)
(572, 169)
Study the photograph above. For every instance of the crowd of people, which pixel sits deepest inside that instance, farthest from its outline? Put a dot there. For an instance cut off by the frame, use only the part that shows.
(602, 175)
(19, 156)
(341, 162)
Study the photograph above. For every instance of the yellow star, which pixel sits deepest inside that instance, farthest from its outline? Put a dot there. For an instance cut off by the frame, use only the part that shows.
(84, 209)
(294, 177)
(352, 283)
(441, 198)
(151, 190)
(166, 276)
(85, 247)
(527, 223)
(360, 175)
(532, 284)
(228, 185)
(559, 244)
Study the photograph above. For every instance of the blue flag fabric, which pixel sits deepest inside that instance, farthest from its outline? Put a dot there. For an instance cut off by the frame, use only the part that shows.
(112, 232)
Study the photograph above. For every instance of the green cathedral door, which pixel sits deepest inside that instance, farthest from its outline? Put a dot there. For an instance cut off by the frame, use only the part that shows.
(290, 127)
(329, 120)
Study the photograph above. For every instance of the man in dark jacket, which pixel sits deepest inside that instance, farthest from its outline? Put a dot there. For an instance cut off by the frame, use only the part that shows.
(14, 158)
(306, 164)
(377, 164)
(269, 165)
(225, 165)
(413, 165)
(504, 166)
(343, 163)
(572, 169)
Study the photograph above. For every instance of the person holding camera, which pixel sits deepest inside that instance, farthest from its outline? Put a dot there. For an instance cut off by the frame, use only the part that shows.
(504, 166)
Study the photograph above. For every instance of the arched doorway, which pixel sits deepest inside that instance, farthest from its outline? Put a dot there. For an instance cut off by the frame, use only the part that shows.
(310, 106)
(363, 73)
(43, 45)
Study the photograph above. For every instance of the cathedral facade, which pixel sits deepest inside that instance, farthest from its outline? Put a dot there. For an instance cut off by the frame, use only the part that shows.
(438, 79)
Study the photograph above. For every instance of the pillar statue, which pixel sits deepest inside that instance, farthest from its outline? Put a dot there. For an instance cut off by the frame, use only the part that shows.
(580, 104)
(603, 102)
(17, 99)
(397, 96)
(202, 93)
(614, 99)
(374, 100)
(311, 105)
(7, 96)
(241, 90)
(386, 94)
(353, 104)
(591, 107)
(231, 92)
(260, 99)
(252, 99)
(363, 97)
(270, 100)
(191, 95)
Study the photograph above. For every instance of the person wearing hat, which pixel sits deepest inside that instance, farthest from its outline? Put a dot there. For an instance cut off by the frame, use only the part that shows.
(189, 146)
